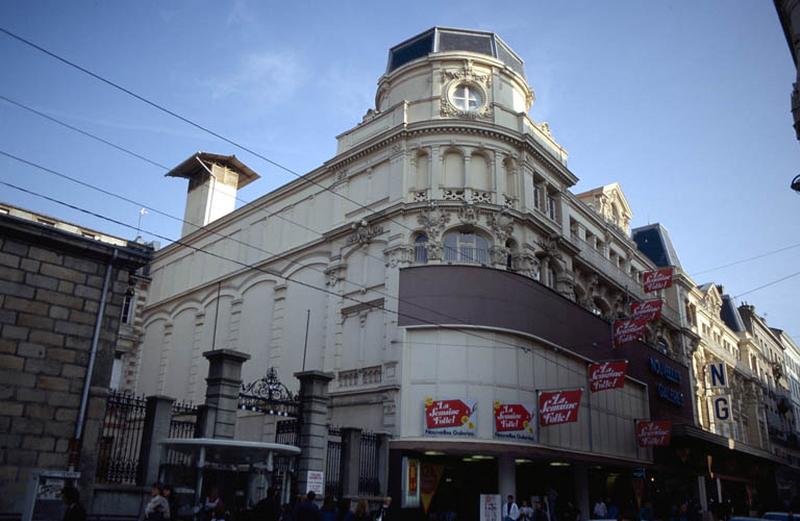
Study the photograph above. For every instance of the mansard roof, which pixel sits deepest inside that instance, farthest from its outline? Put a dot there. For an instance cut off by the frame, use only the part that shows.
(731, 316)
(444, 39)
(654, 241)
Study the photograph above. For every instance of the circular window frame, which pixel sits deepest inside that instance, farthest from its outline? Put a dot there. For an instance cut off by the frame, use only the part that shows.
(480, 89)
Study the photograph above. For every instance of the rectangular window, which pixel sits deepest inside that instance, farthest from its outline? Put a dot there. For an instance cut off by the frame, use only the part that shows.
(127, 308)
(551, 208)
(537, 196)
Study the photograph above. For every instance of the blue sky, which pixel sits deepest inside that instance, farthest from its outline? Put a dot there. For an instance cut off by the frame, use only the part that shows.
(686, 104)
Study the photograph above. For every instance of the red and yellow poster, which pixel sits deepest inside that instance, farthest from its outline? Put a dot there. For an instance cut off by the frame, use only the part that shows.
(556, 407)
(607, 375)
(656, 280)
(653, 433)
(450, 417)
(514, 421)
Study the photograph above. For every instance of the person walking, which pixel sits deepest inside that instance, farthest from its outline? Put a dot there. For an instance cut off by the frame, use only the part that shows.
(600, 510)
(345, 510)
(308, 510)
(510, 509)
(384, 513)
(72, 499)
(269, 508)
(329, 511)
(157, 508)
(362, 511)
(525, 511)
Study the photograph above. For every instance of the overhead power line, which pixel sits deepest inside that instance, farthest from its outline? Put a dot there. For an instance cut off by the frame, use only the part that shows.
(462, 329)
(748, 259)
(275, 256)
(188, 121)
(155, 210)
(185, 119)
(768, 284)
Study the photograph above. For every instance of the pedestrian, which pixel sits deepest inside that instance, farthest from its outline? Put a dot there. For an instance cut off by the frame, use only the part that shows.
(345, 509)
(600, 510)
(211, 505)
(169, 495)
(552, 497)
(157, 508)
(525, 511)
(570, 513)
(510, 509)
(362, 511)
(269, 508)
(613, 510)
(329, 511)
(539, 513)
(308, 509)
(72, 500)
(384, 511)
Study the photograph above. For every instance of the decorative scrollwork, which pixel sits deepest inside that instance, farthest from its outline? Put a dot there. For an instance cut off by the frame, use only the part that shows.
(269, 395)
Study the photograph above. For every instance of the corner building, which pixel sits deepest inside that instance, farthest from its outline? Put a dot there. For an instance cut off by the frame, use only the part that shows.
(451, 197)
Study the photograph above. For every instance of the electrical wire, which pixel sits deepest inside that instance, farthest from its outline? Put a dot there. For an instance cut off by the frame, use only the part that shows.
(186, 120)
(462, 329)
(768, 284)
(748, 259)
(275, 255)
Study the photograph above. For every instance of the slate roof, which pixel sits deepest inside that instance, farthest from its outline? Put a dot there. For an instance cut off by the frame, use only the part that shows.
(654, 241)
(730, 314)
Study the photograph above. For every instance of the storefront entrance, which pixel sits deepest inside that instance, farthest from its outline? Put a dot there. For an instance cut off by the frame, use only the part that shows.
(462, 482)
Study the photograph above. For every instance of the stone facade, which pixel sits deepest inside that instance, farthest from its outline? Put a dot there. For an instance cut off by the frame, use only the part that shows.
(51, 282)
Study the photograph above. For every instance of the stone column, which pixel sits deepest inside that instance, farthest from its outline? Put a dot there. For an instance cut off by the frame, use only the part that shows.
(313, 424)
(582, 490)
(158, 415)
(222, 391)
(351, 460)
(506, 477)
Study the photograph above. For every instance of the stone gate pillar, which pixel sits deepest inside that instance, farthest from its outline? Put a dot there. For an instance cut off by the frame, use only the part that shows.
(222, 393)
(313, 424)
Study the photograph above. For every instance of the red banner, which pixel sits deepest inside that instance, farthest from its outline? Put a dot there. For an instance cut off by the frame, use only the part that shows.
(653, 433)
(607, 375)
(557, 407)
(628, 330)
(659, 279)
(450, 417)
(647, 309)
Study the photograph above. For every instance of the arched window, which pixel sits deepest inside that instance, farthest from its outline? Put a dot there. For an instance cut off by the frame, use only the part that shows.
(421, 249)
(465, 246)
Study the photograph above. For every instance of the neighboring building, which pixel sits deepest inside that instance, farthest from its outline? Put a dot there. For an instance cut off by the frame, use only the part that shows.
(789, 14)
(791, 365)
(54, 280)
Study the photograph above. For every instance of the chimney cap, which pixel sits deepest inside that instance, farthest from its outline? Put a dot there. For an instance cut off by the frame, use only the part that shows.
(192, 169)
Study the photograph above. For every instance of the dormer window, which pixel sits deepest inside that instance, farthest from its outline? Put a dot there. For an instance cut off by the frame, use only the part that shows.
(466, 97)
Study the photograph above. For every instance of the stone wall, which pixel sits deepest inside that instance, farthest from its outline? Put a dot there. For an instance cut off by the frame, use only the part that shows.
(50, 290)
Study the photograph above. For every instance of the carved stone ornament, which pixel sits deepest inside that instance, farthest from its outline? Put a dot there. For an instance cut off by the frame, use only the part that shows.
(468, 214)
(399, 255)
(335, 273)
(502, 224)
(526, 264)
(498, 254)
(363, 233)
(434, 220)
(435, 250)
(481, 82)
